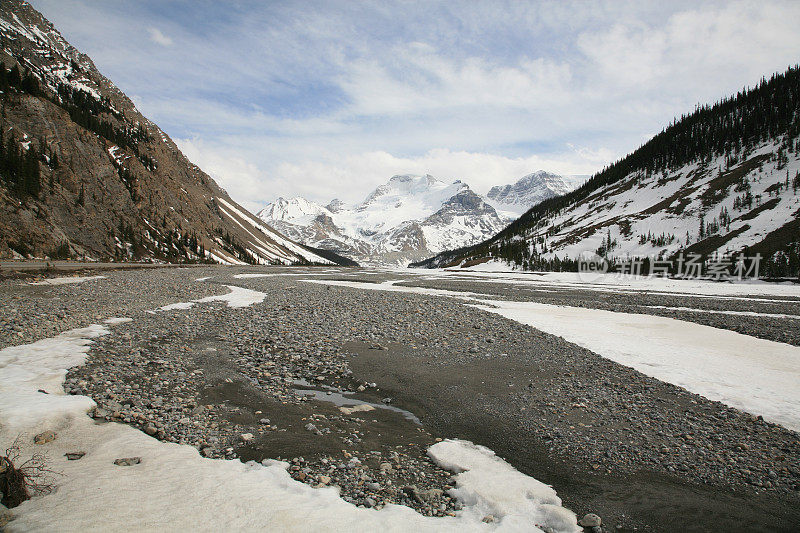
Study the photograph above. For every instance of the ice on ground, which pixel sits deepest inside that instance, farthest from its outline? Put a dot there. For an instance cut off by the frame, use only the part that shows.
(203, 279)
(117, 320)
(723, 312)
(487, 483)
(174, 489)
(66, 280)
(755, 375)
(177, 305)
(617, 282)
(238, 297)
(26, 369)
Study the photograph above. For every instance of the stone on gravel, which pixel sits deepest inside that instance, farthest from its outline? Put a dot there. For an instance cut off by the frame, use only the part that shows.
(128, 461)
(356, 409)
(590, 520)
(45, 437)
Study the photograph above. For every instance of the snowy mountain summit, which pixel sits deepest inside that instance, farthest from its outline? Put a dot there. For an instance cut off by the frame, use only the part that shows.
(530, 190)
(408, 217)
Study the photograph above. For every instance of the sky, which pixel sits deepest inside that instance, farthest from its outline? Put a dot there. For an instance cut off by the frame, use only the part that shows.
(330, 99)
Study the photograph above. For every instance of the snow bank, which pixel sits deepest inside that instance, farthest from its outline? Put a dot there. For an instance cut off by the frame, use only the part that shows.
(487, 483)
(66, 280)
(26, 369)
(723, 312)
(177, 305)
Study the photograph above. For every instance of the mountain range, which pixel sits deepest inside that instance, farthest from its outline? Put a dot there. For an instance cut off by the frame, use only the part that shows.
(83, 174)
(720, 181)
(410, 217)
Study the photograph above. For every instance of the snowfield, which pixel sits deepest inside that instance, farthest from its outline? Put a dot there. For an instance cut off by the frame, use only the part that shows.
(66, 280)
(174, 489)
(500, 272)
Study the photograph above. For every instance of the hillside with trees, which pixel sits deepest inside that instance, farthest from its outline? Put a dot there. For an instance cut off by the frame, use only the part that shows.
(720, 181)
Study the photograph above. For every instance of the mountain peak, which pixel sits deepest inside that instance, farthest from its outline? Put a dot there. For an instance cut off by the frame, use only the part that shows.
(528, 191)
(335, 205)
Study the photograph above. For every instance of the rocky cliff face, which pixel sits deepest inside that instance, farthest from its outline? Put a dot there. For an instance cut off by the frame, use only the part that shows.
(84, 174)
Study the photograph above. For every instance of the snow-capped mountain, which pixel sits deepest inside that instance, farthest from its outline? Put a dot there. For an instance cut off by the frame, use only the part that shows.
(405, 219)
(530, 190)
(724, 180)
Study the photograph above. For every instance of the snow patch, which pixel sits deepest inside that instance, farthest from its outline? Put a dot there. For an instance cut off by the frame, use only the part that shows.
(175, 306)
(65, 280)
(238, 297)
(492, 486)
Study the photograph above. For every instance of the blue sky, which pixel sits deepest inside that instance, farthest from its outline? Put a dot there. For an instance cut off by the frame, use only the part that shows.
(329, 99)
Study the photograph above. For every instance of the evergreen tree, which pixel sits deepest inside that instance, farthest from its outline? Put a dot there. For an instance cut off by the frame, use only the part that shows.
(32, 184)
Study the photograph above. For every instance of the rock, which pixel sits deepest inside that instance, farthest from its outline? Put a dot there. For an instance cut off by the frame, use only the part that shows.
(324, 480)
(429, 495)
(128, 461)
(590, 520)
(208, 451)
(356, 409)
(387, 400)
(247, 437)
(264, 421)
(74, 456)
(150, 430)
(488, 519)
(386, 468)
(44, 438)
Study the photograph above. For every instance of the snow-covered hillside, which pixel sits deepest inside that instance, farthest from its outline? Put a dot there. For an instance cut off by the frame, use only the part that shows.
(722, 181)
(662, 213)
(409, 217)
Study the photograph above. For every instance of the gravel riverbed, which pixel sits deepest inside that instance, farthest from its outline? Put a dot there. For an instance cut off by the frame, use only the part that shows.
(279, 379)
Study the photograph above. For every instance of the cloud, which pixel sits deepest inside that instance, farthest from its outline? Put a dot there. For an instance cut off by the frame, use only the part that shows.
(159, 38)
(350, 177)
(273, 98)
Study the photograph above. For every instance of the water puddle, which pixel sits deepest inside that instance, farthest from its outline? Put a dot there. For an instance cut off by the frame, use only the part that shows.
(341, 398)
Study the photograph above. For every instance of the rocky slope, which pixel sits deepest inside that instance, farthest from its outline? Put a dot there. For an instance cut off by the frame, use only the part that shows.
(84, 174)
(409, 217)
(723, 180)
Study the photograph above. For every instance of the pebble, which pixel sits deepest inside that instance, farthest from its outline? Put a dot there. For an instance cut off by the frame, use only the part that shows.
(590, 520)
(128, 461)
(74, 456)
(45, 437)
